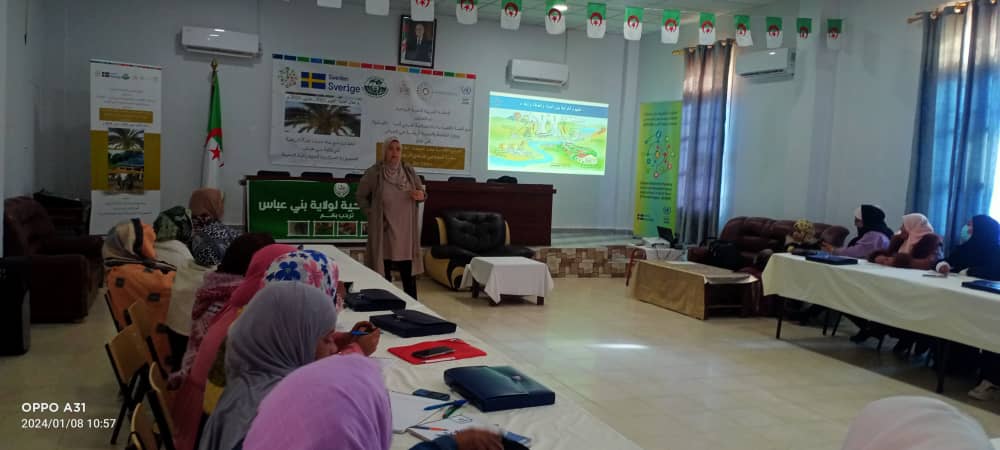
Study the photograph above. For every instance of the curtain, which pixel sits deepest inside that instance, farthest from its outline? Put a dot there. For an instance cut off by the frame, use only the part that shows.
(703, 131)
(958, 118)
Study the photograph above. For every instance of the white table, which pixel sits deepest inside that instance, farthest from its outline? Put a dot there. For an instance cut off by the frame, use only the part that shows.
(508, 275)
(562, 426)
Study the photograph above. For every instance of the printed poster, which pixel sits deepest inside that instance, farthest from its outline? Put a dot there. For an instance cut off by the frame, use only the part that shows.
(656, 171)
(125, 121)
(328, 113)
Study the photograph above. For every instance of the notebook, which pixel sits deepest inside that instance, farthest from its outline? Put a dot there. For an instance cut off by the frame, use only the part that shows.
(824, 258)
(408, 410)
(432, 430)
(983, 285)
(461, 349)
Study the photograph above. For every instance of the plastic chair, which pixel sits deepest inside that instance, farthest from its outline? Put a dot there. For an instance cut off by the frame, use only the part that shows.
(143, 435)
(111, 309)
(273, 173)
(161, 402)
(129, 359)
(463, 179)
(322, 175)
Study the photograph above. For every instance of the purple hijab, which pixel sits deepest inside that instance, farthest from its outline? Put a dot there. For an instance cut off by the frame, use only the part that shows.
(337, 402)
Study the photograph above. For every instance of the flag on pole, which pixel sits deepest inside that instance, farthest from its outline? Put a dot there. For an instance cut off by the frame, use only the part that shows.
(706, 29)
(834, 31)
(467, 12)
(329, 3)
(774, 32)
(671, 26)
(742, 25)
(377, 7)
(555, 23)
(422, 10)
(633, 23)
(595, 20)
(510, 15)
(213, 142)
(804, 25)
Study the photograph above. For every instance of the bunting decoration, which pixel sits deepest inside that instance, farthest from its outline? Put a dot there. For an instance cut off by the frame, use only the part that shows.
(670, 27)
(377, 7)
(555, 23)
(741, 24)
(510, 15)
(422, 10)
(834, 31)
(706, 29)
(467, 12)
(774, 33)
(804, 26)
(596, 25)
(633, 23)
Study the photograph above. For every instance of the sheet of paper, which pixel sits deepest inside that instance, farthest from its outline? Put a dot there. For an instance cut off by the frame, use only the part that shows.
(408, 410)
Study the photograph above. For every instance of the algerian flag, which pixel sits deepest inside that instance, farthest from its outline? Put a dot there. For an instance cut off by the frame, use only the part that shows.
(555, 23)
(422, 10)
(670, 27)
(328, 3)
(213, 141)
(773, 32)
(510, 15)
(633, 23)
(467, 12)
(804, 25)
(595, 20)
(706, 29)
(834, 31)
(742, 26)
(377, 7)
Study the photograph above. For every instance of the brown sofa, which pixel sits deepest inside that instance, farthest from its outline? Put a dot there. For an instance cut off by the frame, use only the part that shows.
(63, 274)
(754, 234)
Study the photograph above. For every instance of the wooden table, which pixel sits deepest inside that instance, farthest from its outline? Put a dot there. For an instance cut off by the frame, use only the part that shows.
(692, 289)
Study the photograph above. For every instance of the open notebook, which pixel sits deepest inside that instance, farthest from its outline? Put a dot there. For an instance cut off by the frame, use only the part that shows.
(433, 430)
(408, 410)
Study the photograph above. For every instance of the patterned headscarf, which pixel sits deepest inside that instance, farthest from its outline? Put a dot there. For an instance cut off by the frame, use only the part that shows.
(916, 226)
(173, 224)
(306, 266)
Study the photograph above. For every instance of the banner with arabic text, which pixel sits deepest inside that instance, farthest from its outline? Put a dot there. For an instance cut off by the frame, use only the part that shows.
(304, 210)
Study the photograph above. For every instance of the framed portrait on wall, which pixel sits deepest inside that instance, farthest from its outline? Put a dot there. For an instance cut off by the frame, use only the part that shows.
(416, 42)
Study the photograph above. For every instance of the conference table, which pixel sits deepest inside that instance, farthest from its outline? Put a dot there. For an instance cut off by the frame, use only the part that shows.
(903, 298)
(564, 425)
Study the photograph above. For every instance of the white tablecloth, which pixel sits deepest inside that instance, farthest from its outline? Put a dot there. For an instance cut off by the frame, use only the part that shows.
(508, 275)
(564, 425)
(660, 253)
(903, 298)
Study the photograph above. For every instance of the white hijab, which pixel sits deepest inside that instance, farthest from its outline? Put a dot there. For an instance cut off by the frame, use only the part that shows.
(914, 423)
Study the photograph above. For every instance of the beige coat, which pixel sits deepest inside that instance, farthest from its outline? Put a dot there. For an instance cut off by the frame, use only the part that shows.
(370, 202)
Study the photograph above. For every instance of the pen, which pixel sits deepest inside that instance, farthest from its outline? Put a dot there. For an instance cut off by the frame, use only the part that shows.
(359, 333)
(421, 427)
(451, 411)
(442, 405)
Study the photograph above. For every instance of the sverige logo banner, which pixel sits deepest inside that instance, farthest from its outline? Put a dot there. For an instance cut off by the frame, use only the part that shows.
(322, 81)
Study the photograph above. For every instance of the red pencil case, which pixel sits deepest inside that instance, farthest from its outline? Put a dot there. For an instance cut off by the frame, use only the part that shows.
(461, 349)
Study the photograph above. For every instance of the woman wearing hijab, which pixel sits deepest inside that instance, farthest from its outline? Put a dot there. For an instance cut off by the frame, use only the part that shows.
(873, 234)
(173, 232)
(214, 293)
(388, 194)
(313, 410)
(979, 252)
(914, 423)
(211, 236)
(287, 325)
(915, 247)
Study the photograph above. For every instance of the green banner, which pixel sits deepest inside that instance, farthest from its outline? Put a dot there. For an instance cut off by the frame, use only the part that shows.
(305, 210)
(656, 171)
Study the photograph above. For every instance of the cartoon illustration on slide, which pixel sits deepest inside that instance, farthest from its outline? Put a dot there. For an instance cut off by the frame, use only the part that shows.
(658, 153)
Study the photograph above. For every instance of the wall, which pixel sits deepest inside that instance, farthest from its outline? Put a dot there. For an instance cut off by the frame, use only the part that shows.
(3, 112)
(121, 30)
(23, 65)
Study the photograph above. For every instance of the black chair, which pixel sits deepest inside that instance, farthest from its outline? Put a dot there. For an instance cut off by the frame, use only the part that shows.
(503, 179)
(462, 179)
(353, 176)
(273, 173)
(320, 175)
(463, 235)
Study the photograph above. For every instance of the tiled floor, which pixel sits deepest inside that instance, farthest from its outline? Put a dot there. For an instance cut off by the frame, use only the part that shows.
(663, 380)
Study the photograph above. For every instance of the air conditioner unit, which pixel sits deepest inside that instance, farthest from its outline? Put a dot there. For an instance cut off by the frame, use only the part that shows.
(218, 41)
(537, 72)
(775, 63)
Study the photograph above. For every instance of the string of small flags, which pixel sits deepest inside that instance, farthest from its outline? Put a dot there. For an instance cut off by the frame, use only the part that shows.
(467, 13)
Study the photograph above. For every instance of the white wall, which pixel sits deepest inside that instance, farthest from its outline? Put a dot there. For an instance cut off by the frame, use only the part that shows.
(3, 112)
(23, 65)
(124, 31)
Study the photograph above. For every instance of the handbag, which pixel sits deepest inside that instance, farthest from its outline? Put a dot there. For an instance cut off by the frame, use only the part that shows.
(497, 388)
(374, 300)
(408, 323)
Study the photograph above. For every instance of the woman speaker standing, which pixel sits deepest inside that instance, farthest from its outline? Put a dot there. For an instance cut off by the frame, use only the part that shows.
(389, 194)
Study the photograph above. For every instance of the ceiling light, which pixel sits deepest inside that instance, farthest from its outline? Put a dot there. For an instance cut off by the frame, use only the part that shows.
(561, 7)
(220, 30)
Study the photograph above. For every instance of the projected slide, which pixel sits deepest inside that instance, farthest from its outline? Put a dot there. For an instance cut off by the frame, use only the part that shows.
(538, 134)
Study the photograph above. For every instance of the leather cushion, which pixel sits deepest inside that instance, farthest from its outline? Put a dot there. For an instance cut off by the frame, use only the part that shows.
(475, 231)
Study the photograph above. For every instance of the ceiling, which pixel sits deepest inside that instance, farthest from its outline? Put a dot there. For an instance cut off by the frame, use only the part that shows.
(533, 12)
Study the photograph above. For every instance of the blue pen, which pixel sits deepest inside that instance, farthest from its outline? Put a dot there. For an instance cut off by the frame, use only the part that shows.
(359, 333)
(442, 405)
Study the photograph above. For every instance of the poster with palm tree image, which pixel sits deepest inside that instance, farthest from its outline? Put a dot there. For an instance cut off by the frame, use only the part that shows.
(322, 118)
(126, 159)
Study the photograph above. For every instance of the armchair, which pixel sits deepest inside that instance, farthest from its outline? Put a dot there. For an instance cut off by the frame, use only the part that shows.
(463, 235)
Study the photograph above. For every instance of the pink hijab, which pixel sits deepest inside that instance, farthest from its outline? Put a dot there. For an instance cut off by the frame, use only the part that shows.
(914, 423)
(337, 402)
(188, 403)
(916, 226)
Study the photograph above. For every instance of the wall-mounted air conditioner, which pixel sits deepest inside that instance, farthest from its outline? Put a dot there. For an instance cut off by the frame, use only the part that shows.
(775, 63)
(218, 41)
(537, 72)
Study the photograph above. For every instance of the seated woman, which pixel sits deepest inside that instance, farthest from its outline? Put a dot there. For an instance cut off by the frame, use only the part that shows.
(915, 247)
(287, 325)
(873, 234)
(979, 252)
(173, 234)
(215, 292)
(802, 237)
(211, 236)
(342, 400)
(914, 423)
